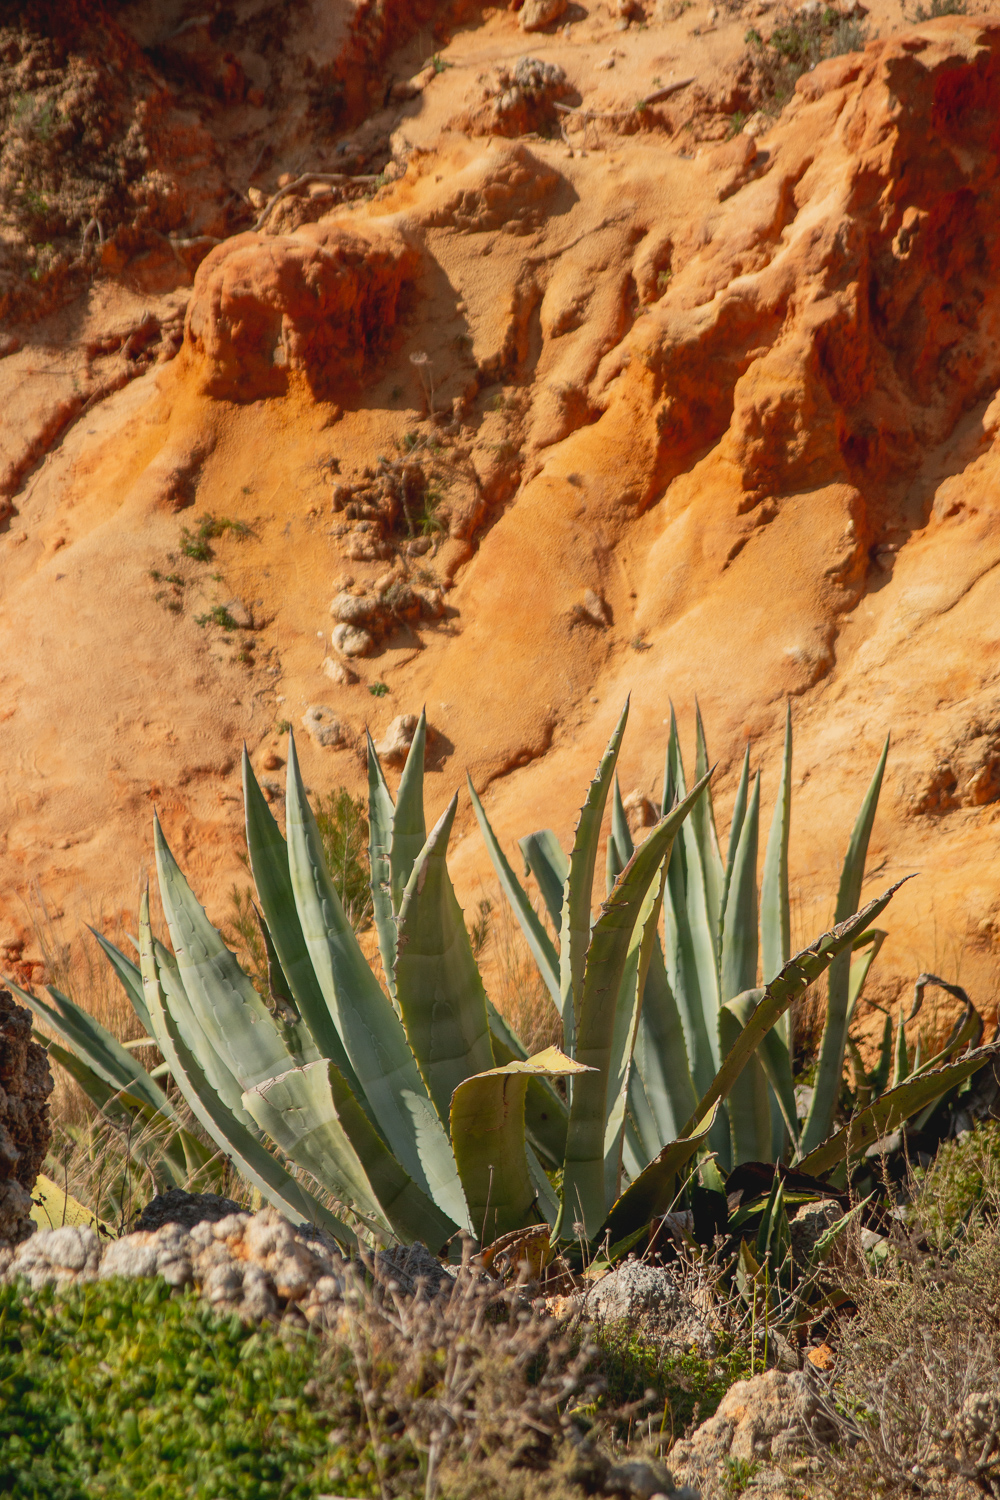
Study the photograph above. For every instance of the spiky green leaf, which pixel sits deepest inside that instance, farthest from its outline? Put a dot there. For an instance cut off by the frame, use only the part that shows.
(541, 945)
(892, 1109)
(371, 1031)
(605, 966)
(578, 894)
(409, 831)
(831, 1053)
(381, 813)
(438, 985)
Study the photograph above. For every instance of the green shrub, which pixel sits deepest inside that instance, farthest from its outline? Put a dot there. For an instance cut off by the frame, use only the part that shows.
(122, 1389)
(960, 1185)
(686, 1387)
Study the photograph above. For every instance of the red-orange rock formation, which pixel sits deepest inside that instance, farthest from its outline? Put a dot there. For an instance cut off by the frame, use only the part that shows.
(322, 303)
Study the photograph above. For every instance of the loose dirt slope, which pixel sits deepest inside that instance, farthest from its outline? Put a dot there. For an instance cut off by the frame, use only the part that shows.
(570, 409)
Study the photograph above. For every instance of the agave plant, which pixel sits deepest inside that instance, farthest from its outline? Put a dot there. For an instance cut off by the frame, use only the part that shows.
(412, 1109)
(723, 937)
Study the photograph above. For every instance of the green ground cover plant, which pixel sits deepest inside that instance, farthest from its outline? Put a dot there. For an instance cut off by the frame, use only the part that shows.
(122, 1389)
(125, 1389)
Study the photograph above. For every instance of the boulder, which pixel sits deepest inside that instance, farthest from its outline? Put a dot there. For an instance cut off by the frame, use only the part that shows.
(324, 726)
(356, 609)
(395, 746)
(351, 640)
(175, 1206)
(537, 14)
(651, 1300)
(764, 1420)
(321, 303)
(339, 672)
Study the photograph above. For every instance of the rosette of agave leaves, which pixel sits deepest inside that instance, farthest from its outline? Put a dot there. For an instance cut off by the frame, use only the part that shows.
(409, 1108)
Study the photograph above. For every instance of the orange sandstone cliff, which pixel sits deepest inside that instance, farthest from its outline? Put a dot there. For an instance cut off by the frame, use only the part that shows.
(574, 401)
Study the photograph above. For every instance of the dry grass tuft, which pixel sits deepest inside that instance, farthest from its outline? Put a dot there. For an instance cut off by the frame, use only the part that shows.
(916, 1395)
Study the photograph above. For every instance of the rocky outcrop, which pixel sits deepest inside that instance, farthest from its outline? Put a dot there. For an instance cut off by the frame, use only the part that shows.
(25, 1086)
(762, 1424)
(651, 1300)
(741, 394)
(321, 303)
(254, 1265)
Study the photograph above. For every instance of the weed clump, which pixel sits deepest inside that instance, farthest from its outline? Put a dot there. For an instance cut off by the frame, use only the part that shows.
(197, 544)
(915, 1396)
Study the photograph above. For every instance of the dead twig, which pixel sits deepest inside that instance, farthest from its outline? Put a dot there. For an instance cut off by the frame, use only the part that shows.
(583, 113)
(333, 178)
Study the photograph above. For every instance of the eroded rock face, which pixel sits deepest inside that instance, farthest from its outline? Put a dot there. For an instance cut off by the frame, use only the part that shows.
(25, 1086)
(321, 303)
(744, 398)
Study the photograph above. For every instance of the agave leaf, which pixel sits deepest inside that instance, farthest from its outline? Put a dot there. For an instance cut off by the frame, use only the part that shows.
(775, 911)
(749, 1105)
(829, 1237)
(166, 1158)
(653, 1190)
(627, 1018)
(188, 1157)
(772, 1054)
(438, 985)
(96, 1048)
(797, 974)
(548, 1203)
(891, 1110)
(222, 1124)
(235, 1019)
(381, 814)
(316, 1120)
(901, 1059)
(487, 1127)
(281, 1001)
(620, 845)
(411, 1212)
(702, 828)
(736, 827)
(606, 960)
(879, 1078)
(739, 923)
(409, 831)
(129, 977)
(967, 1032)
(831, 1053)
(863, 955)
(541, 945)
(691, 945)
(774, 1240)
(371, 1031)
(296, 1110)
(545, 858)
(576, 927)
(546, 1113)
(52, 1207)
(219, 1077)
(269, 867)
(659, 1062)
